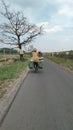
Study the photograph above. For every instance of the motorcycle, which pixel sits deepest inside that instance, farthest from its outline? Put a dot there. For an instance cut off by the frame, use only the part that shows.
(33, 65)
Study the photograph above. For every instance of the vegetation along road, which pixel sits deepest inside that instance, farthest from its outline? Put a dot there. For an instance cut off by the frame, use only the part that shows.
(44, 102)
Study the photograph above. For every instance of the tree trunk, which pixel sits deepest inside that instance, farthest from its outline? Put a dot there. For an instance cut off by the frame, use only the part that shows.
(20, 47)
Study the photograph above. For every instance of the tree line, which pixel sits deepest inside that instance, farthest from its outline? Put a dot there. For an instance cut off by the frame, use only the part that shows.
(65, 54)
(8, 51)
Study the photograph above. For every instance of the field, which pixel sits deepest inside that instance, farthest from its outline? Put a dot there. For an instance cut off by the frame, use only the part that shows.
(10, 70)
(67, 63)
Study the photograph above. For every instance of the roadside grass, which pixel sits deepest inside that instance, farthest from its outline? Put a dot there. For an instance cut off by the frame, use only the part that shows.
(9, 73)
(68, 63)
(1, 55)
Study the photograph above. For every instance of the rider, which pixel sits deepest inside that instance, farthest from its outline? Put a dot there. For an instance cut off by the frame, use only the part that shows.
(35, 58)
(40, 55)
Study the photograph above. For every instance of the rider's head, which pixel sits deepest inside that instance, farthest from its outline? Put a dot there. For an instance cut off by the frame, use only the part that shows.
(34, 50)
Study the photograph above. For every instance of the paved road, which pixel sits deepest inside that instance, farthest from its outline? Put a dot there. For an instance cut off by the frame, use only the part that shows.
(44, 102)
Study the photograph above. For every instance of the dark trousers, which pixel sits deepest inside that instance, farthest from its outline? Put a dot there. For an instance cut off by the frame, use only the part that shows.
(21, 56)
(35, 64)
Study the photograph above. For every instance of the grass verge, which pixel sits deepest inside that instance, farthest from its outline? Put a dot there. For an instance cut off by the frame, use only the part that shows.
(62, 61)
(10, 72)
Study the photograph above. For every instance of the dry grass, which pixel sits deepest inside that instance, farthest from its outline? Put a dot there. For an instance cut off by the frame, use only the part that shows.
(10, 61)
(4, 85)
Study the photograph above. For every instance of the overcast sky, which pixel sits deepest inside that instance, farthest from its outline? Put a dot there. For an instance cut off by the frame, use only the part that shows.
(57, 18)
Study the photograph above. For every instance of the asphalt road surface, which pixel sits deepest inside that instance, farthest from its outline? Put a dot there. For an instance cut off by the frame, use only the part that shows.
(44, 102)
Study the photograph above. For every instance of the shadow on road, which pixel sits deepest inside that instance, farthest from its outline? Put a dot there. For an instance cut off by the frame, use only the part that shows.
(38, 72)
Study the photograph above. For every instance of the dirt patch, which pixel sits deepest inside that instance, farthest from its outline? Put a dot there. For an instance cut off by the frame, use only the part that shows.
(4, 86)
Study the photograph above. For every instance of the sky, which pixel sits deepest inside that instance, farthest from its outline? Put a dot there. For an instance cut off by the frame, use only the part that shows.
(56, 16)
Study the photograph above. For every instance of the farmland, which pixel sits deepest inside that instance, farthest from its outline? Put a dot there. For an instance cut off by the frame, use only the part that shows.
(64, 59)
(10, 69)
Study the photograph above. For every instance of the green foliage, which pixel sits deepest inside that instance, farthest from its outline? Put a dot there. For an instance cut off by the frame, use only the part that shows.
(8, 51)
(67, 55)
(63, 61)
(12, 71)
(64, 54)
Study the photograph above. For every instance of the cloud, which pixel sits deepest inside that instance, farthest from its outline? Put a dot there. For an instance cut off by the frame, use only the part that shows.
(66, 11)
(53, 29)
(54, 43)
(50, 29)
(56, 16)
(64, 14)
(31, 8)
(26, 4)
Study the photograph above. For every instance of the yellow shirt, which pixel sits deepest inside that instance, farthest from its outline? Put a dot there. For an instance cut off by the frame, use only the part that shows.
(35, 56)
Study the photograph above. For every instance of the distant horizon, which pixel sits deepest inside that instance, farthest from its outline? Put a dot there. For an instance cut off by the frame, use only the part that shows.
(37, 50)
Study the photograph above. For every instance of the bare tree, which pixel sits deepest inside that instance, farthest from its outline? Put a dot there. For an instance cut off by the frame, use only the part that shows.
(17, 31)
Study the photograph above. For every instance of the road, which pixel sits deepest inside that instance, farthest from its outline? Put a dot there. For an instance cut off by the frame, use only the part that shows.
(44, 102)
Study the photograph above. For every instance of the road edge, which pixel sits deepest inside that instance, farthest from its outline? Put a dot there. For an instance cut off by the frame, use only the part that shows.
(10, 95)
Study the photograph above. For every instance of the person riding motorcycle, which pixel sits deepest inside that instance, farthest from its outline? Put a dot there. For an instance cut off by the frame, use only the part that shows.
(35, 58)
